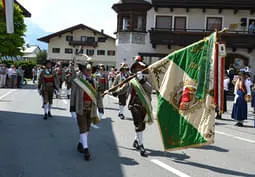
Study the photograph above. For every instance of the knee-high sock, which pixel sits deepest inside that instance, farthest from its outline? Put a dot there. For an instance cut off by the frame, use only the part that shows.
(49, 108)
(121, 109)
(68, 91)
(84, 139)
(46, 106)
(139, 137)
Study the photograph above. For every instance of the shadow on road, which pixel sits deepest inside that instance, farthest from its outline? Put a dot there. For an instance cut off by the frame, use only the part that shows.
(216, 169)
(214, 148)
(157, 153)
(33, 147)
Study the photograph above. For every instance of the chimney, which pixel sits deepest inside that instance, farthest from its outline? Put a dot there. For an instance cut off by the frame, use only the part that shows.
(102, 31)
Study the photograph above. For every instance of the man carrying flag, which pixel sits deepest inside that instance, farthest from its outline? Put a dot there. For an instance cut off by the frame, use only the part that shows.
(140, 103)
(83, 103)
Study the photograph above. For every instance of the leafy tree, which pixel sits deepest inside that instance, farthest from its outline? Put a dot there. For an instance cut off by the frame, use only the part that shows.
(41, 57)
(11, 43)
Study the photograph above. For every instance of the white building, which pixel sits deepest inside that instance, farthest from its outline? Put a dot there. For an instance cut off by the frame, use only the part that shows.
(64, 45)
(30, 52)
(155, 28)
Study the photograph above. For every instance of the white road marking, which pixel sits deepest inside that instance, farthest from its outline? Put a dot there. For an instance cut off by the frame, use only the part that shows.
(236, 137)
(1, 97)
(167, 167)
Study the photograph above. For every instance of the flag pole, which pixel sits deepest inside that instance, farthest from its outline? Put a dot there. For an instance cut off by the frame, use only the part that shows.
(123, 82)
(134, 75)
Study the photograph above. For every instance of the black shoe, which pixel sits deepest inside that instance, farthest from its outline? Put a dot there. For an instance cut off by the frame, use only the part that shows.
(45, 117)
(86, 154)
(142, 151)
(49, 114)
(239, 124)
(80, 148)
(121, 116)
(136, 145)
(218, 117)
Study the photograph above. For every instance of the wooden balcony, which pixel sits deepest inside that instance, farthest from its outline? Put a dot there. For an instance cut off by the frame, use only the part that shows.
(83, 43)
(169, 37)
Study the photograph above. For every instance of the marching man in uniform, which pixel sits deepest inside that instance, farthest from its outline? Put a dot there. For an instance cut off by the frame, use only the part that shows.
(140, 103)
(46, 86)
(121, 92)
(102, 80)
(83, 103)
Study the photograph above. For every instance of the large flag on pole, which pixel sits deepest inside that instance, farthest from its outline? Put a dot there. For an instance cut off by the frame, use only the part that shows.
(9, 10)
(184, 84)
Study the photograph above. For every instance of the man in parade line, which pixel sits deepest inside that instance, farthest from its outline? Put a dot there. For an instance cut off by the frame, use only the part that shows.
(60, 76)
(46, 86)
(102, 81)
(141, 91)
(121, 92)
(83, 103)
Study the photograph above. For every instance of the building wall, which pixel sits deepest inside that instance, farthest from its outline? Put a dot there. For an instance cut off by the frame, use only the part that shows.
(196, 19)
(60, 42)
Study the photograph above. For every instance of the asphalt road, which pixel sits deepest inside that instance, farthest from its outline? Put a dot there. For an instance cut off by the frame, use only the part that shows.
(33, 147)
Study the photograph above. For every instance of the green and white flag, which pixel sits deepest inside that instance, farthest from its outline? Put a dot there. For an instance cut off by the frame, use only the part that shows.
(184, 83)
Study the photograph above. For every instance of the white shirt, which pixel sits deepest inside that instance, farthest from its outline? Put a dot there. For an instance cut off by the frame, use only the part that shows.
(226, 83)
(248, 84)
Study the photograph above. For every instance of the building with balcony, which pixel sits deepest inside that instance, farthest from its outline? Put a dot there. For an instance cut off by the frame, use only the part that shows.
(155, 28)
(66, 44)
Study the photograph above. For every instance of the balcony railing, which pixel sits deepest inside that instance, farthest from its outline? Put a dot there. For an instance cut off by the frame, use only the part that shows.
(183, 37)
(83, 43)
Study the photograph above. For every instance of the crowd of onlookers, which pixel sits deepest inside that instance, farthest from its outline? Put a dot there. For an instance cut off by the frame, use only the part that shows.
(11, 77)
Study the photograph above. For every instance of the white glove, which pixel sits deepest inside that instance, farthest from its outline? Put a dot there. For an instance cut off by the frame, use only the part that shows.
(139, 75)
(74, 115)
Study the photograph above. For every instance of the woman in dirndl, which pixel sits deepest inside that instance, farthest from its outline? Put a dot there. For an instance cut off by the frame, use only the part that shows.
(239, 111)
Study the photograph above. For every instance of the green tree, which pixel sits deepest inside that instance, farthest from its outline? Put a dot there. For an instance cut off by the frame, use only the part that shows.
(10, 44)
(41, 57)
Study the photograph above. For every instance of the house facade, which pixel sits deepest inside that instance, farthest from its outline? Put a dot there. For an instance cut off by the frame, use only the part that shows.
(155, 28)
(72, 42)
(30, 52)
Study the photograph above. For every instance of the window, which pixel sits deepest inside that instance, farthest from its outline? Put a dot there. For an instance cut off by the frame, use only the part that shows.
(125, 23)
(164, 22)
(83, 38)
(68, 50)
(79, 51)
(111, 52)
(100, 52)
(179, 23)
(90, 52)
(213, 23)
(101, 39)
(55, 50)
(69, 38)
(91, 39)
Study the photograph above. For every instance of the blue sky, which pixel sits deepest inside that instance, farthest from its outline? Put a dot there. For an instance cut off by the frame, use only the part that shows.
(56, 15)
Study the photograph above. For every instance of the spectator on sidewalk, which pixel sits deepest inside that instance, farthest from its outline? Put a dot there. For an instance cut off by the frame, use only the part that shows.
(12, 77)
(242, 92)
(2, 75)
(20, 76)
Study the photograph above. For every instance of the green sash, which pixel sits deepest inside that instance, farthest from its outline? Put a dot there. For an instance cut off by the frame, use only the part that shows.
(144, 99)
(87, 87)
